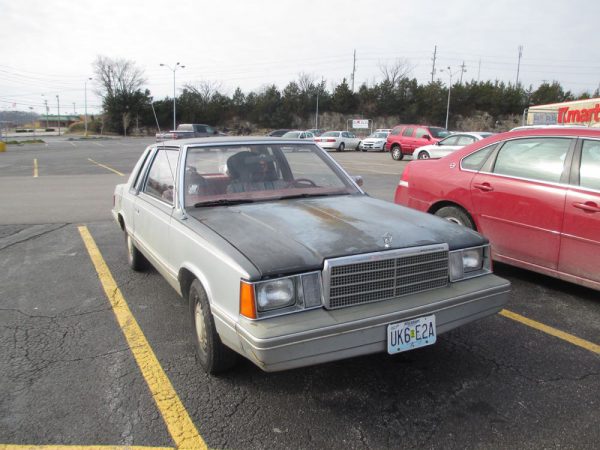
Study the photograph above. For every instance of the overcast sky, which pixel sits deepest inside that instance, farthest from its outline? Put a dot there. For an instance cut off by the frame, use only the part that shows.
(48, 47)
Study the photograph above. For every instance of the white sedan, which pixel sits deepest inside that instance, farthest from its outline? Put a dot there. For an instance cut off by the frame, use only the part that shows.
(448, 145)
(338, 140)
(375, 141)
(298, 134)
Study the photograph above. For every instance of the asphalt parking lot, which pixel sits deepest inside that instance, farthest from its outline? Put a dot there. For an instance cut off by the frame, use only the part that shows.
(94, 354)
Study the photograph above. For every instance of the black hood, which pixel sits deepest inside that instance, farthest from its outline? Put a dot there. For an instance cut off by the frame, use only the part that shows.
(297, 235)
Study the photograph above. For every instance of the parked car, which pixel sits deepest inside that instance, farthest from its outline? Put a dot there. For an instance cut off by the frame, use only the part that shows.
(188, 130)
(534, 193)
(284, 260)
(316, 131)
(375, 141)
(449, 144)
(404, 139)
(278, 133)
(298, 134)
(338, 140)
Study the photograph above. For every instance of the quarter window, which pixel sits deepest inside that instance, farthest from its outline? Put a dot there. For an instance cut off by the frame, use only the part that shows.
(476, 160)
(161, 176)
(540, 159)
(589, 171)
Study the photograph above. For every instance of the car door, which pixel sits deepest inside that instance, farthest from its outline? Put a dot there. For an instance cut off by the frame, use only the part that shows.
(422, 137)
(154, 207)
(519, 200)
(445, 146)
(407, 141)
(352, 141)
(580, 239)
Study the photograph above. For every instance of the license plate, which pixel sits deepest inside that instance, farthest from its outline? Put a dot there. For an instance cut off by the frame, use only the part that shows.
(411, 334)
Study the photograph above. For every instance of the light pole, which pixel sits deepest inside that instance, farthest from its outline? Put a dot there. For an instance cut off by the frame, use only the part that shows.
(58, 103)
(85, 96)
(450, 73)
(47, 109)
(173, 69)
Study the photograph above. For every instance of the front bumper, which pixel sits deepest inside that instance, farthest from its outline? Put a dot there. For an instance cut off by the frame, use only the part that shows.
(319, 336)
(372, 146)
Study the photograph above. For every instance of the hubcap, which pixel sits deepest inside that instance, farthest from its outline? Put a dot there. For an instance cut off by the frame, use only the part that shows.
(455, 220)
(396, 153)
(423, 156)
(200, 329)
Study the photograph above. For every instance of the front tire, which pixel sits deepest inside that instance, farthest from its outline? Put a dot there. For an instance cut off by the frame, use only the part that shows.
(423, 155)
(397, 153)
(135, 259)
(213, 355)
(456, 215)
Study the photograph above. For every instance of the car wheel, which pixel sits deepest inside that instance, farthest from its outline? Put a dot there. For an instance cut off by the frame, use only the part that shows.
(213, 356)
(135, 259)
(423, 155)
(341, 147)
(456, 215)
(397, 153)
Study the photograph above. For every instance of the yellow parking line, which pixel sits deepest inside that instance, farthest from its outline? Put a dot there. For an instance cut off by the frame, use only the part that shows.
(179, 423)
(79, 447)
(35, 168)
(106, 167)
(594, 348)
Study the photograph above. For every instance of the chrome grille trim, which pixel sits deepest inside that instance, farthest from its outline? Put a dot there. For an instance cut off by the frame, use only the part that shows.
(359, 279)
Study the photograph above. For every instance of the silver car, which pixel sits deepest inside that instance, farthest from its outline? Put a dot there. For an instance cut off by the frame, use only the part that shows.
(449, 144)
(375, 141)
(284, 260)
(338, 140)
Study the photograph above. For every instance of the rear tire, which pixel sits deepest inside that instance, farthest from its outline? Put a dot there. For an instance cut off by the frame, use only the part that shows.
(397, 153)
(213, 355)
(341, 147)
(135, 259)
(456, 215)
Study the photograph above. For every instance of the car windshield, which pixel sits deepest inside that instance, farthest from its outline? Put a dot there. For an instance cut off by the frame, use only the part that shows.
(379, 135)
(331, 134)
(232, 174)
(439, 133)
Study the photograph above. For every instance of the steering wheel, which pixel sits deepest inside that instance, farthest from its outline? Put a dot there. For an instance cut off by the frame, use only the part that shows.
(302, 182)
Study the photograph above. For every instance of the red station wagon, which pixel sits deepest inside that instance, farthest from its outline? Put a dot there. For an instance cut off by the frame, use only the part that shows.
(535, 194)
(404, 139)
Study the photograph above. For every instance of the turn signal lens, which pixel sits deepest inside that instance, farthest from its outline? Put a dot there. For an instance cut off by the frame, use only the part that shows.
(247, 303)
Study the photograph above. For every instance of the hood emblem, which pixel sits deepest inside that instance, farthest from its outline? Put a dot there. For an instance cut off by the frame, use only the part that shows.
(387, 240)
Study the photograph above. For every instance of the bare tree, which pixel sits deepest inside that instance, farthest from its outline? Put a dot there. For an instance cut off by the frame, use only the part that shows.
(114, 76)
(204, 89)
(306, 82)
(394, 72)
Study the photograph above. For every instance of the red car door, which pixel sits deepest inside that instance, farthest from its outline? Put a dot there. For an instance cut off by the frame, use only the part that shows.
(580, 243)
(519, 201)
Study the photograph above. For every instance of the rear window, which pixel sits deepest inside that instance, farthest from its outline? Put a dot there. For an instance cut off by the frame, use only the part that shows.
(331, 134)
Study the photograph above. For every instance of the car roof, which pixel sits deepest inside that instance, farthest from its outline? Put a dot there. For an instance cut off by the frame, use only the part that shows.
(224, 140)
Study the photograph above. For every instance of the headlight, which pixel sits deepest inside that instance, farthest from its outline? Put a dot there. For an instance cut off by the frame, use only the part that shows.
(275, 294)
(280, 296)
(469, 262)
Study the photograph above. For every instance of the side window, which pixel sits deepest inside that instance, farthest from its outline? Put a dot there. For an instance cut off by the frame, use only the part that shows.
(345, 134)
(452, 140)
(539, 159)
(421, 132)
(408, 131)
(351, 135)
(465, 140)
(476, 160)
(161, 176)
(589, 171)
(396, 131)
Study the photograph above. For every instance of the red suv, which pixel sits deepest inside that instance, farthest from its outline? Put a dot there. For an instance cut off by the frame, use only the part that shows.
(404, 139)
(535, 194)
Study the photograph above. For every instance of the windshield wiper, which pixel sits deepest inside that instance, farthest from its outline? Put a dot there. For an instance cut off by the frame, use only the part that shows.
(305, 195)
(223, 202)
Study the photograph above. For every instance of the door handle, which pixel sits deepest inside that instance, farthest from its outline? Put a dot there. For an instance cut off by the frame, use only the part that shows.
(587, 207)
(485, 187)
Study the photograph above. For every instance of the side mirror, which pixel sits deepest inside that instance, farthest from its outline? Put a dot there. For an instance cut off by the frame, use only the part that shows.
(358, 180)
(426, 136)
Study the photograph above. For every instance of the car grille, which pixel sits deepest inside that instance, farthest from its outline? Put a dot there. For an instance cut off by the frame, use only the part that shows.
(380, 276)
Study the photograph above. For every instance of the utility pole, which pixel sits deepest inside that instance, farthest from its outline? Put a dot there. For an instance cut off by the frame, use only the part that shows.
(353, 69)
(46, 104)
(463, 69)
(479, 70)
(519, 63)
(85, 96)
(433, 67)
(450, 74)
(58, 104)
(74, 113)
(317, 112)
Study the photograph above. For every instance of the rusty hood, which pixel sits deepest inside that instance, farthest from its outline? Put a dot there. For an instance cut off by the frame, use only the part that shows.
(296, 235)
